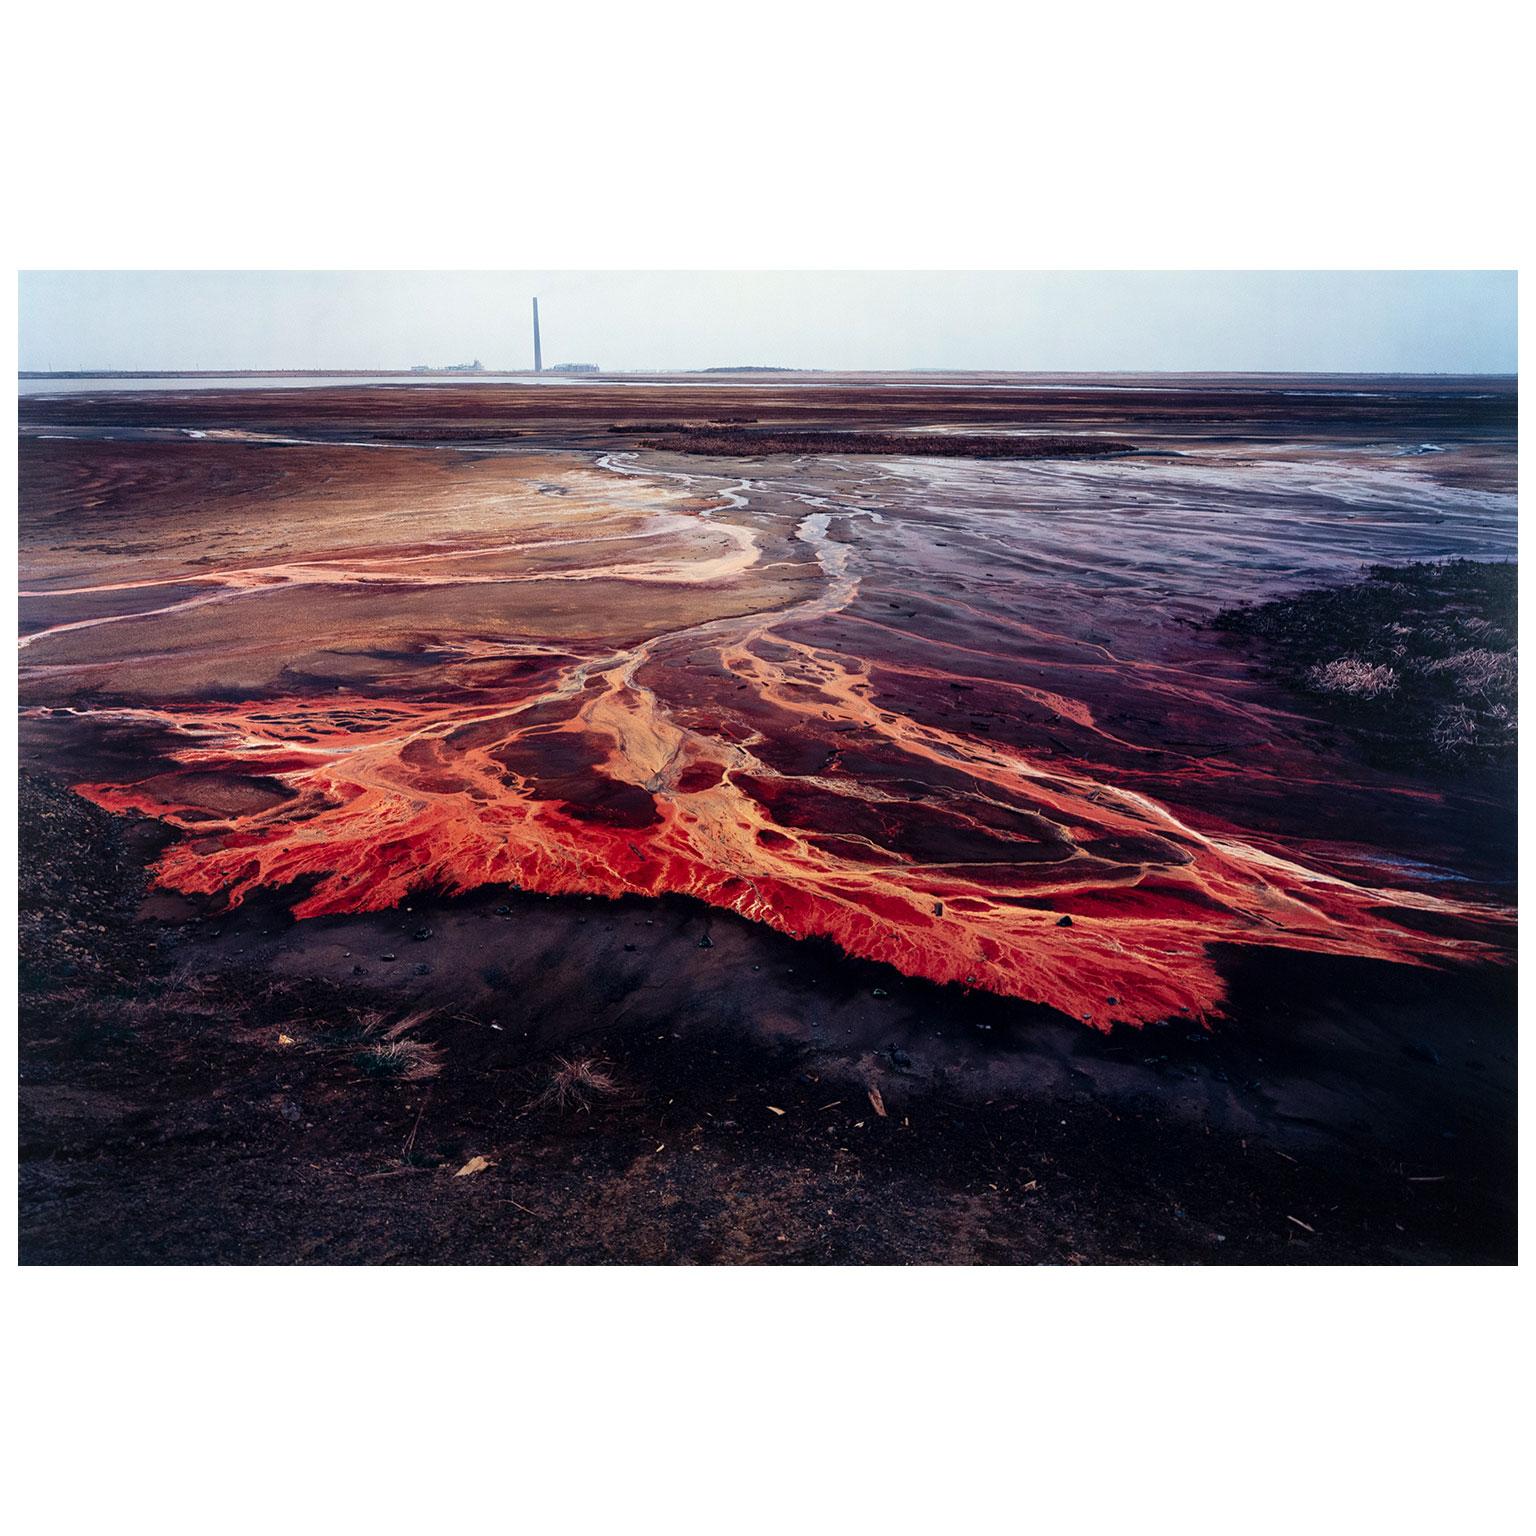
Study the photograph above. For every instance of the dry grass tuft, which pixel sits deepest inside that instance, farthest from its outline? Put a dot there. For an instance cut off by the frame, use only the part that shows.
(390, 1050)
(1490, 676)
(1352, 678)
(576, 1084)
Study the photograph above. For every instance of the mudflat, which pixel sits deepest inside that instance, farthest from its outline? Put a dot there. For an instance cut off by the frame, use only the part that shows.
(899, 821)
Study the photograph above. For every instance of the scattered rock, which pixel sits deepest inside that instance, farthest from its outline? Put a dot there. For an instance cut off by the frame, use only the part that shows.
(1063, 922)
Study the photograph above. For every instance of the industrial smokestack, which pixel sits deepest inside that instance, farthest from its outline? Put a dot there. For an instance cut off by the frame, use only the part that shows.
(538, 355)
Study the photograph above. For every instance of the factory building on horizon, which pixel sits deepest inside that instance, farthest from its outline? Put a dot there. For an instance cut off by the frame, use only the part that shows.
(475, 367)
(575, 368)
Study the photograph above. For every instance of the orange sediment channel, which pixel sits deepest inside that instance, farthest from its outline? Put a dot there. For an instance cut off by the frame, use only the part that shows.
(820, 698)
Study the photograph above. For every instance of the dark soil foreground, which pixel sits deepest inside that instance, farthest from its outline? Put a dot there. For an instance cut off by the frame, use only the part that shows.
(249, 1098)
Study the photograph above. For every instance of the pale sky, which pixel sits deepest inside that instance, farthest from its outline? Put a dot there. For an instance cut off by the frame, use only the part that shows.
(1407, 322)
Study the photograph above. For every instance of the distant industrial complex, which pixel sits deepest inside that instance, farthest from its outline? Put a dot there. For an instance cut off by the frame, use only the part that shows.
(538, 353)
(538, 359)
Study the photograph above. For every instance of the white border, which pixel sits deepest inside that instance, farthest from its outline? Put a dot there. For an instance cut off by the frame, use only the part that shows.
(828, 135)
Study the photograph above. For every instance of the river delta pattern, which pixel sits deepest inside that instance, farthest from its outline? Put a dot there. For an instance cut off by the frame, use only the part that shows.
(955, 717)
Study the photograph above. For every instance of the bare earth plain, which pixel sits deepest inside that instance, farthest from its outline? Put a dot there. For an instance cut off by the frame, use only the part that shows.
(843, 773)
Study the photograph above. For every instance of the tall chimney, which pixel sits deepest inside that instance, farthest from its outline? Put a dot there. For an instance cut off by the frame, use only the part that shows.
(538, 355)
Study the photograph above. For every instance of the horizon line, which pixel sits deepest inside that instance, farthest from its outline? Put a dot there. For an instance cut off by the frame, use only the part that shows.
(417, 371)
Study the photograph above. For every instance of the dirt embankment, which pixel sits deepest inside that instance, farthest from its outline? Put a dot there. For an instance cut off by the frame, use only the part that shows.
(186, 1098)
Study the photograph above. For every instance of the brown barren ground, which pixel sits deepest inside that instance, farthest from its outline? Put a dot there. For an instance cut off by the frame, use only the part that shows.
(758, 776)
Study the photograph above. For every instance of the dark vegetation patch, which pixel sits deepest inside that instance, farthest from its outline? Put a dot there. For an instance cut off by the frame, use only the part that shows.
(754, 442)
(1418, 661)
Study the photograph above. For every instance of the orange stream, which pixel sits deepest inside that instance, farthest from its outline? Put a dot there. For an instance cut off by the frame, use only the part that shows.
(601, 776)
